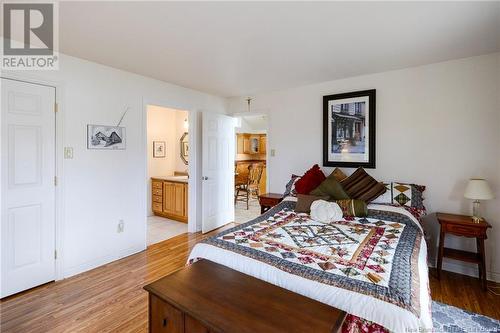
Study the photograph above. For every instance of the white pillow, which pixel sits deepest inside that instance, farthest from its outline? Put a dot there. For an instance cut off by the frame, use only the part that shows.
(324, 211)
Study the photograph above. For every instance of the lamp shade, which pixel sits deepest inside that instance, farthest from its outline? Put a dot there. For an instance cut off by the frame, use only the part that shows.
(478, 189)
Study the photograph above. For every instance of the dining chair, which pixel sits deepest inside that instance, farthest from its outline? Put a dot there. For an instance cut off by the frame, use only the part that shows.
(249, 187)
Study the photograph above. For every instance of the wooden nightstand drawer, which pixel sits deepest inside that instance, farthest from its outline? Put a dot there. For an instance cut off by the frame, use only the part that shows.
(164, 318)
(157, 191)
(462, 230)
(157, 184)
(157, 198)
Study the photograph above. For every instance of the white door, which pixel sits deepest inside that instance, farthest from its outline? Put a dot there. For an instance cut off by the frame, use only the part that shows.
(217, 171)
(27, 182)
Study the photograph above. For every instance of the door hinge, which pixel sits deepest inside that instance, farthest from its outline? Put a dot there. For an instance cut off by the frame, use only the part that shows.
(55, 254)
(56, 107)
(55, 180)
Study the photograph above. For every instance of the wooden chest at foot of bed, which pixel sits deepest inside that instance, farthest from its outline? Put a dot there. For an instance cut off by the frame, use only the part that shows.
(208, 297)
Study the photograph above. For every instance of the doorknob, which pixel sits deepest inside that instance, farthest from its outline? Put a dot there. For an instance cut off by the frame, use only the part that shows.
(204, 178)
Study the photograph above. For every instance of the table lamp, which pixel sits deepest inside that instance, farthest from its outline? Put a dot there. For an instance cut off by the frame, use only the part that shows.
(477, 189)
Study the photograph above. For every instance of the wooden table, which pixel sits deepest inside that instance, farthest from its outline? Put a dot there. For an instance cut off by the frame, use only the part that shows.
(464, 226)
(208, 297)
(269, 200)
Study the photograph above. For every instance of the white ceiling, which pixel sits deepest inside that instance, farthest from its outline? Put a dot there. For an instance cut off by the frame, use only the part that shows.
(243, 48)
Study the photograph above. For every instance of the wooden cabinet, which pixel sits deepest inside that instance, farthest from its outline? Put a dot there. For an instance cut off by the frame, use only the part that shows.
(251, 143)
(206, 297)
(255, 144)
(193, 326)
(164, 318)
(170, 199)
(239, 144)
(246, 145)
(262, 144)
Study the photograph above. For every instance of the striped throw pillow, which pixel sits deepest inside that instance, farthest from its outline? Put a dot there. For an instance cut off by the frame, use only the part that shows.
(362, 186)
(352, 207)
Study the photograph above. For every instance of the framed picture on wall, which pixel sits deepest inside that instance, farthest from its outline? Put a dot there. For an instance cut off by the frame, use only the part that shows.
(105, 137)
(159, 148)
(349, 129)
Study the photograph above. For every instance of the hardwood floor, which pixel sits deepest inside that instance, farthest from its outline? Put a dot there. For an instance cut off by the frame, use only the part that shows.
(111, 299)
(465, 292)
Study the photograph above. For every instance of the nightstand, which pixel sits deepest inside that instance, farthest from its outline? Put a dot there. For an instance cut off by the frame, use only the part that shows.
(464, 226)
(269, 200)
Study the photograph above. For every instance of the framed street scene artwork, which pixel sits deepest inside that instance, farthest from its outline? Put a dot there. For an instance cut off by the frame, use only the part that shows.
(349, 129)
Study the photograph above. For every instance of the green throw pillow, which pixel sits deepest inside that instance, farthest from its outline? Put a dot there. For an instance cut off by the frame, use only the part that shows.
(305, 201)
(353, 207)
(330, 187)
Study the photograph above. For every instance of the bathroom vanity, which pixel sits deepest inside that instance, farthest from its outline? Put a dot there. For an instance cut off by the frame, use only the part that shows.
(170, 197)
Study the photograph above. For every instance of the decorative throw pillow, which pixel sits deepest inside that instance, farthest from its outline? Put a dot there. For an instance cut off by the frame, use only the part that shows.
(290, 187)
(351, 207)
(410, 195)
(338, 174)
(362, 186)
(330, 187)
(386, 197)
(310, 180)
(304, 202)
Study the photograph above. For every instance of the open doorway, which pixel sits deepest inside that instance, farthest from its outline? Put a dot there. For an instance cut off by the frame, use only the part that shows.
(250, 165)
(167, 165)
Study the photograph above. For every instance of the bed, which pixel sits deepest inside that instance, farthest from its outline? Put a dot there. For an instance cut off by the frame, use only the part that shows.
(373, 267)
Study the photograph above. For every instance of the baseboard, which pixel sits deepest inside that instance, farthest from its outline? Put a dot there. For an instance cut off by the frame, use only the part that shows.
(466, 269)
(101, 261)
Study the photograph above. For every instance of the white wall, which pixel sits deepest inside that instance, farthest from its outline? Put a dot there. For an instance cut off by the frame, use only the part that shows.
(98, 188)
(252, 124)
(437, 125)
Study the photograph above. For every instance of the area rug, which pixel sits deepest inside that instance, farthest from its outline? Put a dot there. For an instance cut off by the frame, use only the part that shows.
(447, 318)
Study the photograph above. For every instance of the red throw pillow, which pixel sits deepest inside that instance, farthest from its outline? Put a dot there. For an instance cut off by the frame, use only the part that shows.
(310, 180)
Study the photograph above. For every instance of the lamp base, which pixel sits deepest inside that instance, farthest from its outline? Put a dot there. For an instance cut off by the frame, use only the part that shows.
(476, 214)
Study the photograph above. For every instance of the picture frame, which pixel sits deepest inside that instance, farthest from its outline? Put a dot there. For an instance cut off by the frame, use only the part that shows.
(159, 149)
(106, 137)
(349, 129)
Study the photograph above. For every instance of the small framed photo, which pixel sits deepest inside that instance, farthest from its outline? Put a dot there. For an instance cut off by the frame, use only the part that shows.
(349, 129)
(159, 149)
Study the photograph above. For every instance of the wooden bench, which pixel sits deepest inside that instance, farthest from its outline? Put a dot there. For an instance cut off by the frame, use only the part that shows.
(208, 297)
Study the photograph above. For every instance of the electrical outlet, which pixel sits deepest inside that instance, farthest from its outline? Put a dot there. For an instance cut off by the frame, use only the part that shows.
(68, 153)
(121, 226)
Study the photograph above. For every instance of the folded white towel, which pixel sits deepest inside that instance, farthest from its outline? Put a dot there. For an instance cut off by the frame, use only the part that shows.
(324, 211)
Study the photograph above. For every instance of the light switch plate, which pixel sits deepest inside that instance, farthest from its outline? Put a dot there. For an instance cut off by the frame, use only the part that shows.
(273, 152)
(68, 153)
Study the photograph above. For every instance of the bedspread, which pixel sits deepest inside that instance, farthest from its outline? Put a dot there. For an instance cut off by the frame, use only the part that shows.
(372, 267)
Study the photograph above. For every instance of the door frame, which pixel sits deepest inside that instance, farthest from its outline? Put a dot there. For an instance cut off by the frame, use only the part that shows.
(194, 182)
(59, 170)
